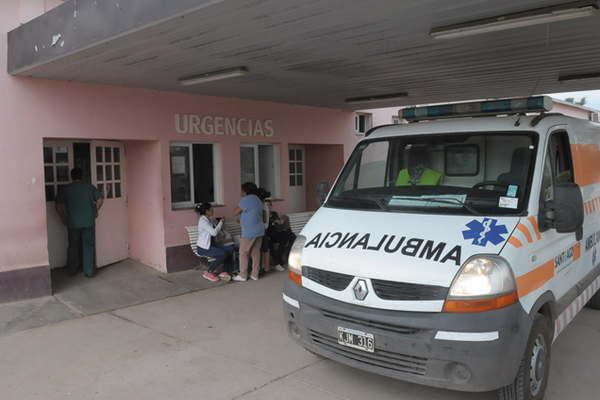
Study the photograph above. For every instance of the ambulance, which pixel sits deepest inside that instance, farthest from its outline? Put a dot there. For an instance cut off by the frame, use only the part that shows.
(453, 250)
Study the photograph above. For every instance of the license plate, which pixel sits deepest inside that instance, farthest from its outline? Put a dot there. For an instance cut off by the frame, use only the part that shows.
(356, 339)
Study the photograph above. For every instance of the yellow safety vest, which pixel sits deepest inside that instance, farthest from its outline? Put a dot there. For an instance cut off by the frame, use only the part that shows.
(429, 177)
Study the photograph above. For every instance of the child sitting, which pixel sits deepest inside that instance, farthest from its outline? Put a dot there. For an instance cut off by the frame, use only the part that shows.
(222, 264)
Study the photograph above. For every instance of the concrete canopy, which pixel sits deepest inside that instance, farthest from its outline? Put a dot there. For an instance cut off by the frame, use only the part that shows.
(313, 52)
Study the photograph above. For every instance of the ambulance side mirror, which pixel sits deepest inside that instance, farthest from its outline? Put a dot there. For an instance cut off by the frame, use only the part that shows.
(565, 212)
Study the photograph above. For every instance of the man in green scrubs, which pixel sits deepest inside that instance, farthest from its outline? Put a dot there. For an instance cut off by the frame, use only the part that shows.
(418, 171)
(78, 204)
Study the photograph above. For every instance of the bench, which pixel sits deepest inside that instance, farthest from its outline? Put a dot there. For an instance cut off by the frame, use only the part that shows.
(192, 231)
(297, 222)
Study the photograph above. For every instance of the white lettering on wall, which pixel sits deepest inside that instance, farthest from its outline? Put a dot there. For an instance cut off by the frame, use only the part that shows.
(192, 124)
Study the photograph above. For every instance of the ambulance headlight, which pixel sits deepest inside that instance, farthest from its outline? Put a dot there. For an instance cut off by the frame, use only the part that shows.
(295, 257)
(483, 283)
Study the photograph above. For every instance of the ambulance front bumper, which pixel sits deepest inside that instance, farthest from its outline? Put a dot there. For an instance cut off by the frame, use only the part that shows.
(470, 352)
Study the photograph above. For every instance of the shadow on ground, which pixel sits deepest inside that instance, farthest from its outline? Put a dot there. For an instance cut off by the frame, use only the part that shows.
(120, 285)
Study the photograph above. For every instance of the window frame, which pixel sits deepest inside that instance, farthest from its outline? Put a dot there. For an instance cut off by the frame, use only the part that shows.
(217, 196)
(368, 124)
(473, 145)
(295, 161)
(534, 135)
(277, 177)
(549, 157)
(56, 184)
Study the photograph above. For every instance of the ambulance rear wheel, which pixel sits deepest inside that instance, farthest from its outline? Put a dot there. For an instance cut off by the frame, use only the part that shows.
(532, 377)
(594, 302)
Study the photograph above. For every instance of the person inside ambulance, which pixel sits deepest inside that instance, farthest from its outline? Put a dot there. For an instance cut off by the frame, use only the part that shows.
(418, 171)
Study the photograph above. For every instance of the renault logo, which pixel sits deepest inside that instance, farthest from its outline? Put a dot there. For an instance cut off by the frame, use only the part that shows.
(360, 289)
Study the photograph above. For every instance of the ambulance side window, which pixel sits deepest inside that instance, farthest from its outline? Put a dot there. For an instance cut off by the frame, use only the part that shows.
(373, 166)
(558, 168)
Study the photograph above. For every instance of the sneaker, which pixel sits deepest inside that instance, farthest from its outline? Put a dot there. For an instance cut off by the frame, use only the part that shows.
(238, 278)
(209, 276)
(280, 268)
(224, 276)
(254, 278)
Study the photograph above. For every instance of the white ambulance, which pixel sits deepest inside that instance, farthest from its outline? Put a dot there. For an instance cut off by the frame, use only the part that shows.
(453, 250)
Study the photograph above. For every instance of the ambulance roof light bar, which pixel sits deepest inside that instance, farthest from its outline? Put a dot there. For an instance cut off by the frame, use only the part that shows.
(536, 104)
(543, 15)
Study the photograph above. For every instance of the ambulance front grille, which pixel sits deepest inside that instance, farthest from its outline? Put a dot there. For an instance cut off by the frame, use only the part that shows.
(329, 279)
(380, 358)
(369, 323)
(388, 290)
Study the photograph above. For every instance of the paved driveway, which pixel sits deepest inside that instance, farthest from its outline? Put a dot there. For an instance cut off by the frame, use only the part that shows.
(227, 343)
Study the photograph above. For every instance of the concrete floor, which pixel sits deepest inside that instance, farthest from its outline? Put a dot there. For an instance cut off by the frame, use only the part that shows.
(120, 285)
(227, 343)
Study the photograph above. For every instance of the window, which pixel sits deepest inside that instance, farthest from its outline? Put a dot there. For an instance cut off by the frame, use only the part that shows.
(461, 160)
(296, 164)
(407, 174)
(108, 171)
(56, 169)
(373, 165)
(259, 163)
(363, 122)
(558, 168)
(193, 176)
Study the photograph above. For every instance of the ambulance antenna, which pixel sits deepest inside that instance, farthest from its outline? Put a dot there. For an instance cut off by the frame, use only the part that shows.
(518, 121)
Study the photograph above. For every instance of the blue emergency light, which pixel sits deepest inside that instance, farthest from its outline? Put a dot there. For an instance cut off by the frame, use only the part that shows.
(535, 104)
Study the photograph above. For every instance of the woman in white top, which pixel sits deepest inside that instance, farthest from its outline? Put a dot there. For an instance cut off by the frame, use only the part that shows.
(222, 264)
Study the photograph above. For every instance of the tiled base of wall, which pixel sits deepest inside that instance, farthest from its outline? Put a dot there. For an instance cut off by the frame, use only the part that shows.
(181, 258)
(27, 283)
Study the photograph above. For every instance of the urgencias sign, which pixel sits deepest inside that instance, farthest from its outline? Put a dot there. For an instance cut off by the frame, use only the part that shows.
(192, 124)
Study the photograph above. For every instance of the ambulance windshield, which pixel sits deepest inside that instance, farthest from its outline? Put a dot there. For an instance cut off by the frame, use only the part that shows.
(476, 173)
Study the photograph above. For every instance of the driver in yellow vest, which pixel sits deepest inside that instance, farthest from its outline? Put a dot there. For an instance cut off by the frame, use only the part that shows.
(418, 171)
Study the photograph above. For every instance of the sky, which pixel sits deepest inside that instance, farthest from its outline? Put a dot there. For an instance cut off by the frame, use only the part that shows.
(592, 97)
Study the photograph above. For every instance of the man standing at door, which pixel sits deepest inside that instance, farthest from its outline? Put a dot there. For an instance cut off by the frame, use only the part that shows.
(78, 204)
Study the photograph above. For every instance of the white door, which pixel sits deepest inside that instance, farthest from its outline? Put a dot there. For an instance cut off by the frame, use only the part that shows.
(58, 162)
(297, 181)
(108, 174)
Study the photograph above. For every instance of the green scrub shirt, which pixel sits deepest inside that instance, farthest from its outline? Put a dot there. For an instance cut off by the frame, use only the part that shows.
(80, 199)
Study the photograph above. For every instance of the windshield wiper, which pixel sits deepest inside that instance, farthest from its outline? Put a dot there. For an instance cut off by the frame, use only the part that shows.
(441, 201)
(378, 202)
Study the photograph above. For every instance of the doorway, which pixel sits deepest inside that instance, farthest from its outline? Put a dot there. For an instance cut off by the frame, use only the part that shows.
(102, 164)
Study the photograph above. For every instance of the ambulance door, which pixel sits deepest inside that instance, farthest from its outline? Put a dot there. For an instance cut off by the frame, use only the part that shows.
(561, 249)
(108, 175)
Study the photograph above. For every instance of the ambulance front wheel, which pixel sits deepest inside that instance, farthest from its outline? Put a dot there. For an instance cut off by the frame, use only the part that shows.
(532, 377)
(594, 302)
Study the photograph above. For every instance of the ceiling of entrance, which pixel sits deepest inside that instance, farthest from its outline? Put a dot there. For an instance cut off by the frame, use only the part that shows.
(313, 52)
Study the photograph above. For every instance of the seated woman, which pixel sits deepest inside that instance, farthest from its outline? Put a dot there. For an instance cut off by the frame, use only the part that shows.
(222, 264)
(282, 239)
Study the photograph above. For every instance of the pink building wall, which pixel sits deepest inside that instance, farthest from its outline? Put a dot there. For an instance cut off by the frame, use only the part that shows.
(145, 203)
(383, 116)
(32, 109)
(323, 163)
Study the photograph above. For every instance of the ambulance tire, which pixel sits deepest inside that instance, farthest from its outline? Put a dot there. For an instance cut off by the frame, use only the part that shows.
(594, 302)
(532, 377)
